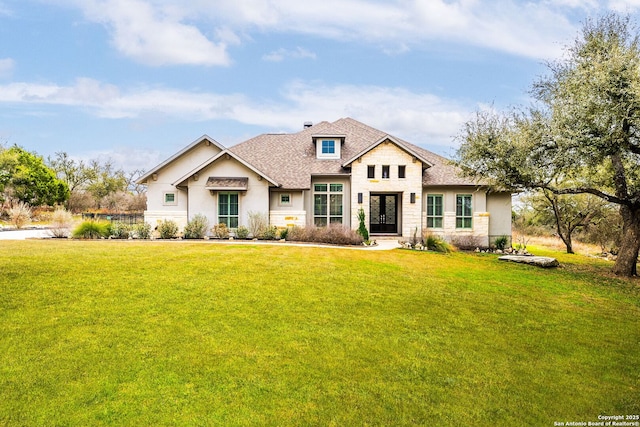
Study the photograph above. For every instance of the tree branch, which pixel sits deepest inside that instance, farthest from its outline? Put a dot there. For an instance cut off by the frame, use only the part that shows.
(608, 197)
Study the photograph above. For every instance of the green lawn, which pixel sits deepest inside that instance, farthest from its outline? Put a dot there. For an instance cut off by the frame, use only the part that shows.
(178, 333)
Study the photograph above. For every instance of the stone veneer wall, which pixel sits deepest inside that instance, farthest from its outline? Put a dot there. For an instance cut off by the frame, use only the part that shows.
(409, 214)
(282, 219)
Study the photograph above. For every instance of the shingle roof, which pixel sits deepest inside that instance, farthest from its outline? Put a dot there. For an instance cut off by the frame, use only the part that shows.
(291, 158)
(227, 183)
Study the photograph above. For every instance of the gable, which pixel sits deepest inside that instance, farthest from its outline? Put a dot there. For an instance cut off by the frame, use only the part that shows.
(187, 158)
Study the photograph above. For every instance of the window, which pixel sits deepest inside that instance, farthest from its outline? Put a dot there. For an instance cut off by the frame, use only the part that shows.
(327, 204)
(464, 214)
(228, 209)
(371, 172)
(385, 172)
(285, 199)
(328, 146)
(434, 211)
(170, 199)
(402, 171)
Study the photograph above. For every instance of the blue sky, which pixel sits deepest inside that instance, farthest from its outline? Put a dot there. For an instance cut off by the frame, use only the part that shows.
(137, 80)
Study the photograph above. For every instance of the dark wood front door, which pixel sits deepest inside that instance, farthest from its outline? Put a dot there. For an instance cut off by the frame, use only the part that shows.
(384, 213)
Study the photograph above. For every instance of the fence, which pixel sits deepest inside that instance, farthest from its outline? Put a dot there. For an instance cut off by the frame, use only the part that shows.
(130, 219)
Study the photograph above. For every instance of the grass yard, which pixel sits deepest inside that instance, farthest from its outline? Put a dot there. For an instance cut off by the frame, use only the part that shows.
(179, 333)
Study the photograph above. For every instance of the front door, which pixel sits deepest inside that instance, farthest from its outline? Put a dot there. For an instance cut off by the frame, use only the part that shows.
(384, 213)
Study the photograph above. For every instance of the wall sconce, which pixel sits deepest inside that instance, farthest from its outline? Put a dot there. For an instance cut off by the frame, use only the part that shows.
(196, 177)
(360, 198)
(154, 176)
(413, 197)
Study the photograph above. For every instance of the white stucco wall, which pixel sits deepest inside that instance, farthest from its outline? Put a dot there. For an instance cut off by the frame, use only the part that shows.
(205, 202)
(161, 182)
(499, 208)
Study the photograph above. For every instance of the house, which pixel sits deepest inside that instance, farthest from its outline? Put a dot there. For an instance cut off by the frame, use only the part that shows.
(324, 174)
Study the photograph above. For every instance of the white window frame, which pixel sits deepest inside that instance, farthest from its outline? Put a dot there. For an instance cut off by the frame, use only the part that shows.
(281, 202)
(170, 203)
(329, 155)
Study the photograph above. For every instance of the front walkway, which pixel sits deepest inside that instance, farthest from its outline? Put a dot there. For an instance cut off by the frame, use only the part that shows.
(382, 244)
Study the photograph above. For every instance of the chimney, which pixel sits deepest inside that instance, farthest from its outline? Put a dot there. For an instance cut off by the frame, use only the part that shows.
(308, 124)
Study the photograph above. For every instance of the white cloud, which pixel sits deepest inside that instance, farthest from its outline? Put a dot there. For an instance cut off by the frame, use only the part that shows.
(199, 32)
(418, 117)
(281, 54)
(6, 67)
(154, 35)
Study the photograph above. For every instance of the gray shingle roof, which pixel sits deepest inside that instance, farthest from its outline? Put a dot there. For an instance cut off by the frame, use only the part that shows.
(291, 158)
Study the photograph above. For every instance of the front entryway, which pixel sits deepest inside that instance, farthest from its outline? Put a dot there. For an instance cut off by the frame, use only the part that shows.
(384, 213)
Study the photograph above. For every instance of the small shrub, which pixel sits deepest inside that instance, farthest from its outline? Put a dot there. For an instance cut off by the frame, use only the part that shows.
(142, 231)
(501, 242)
(20, 215)
(221, 231)
(168, 229)
(270, 233)
(436, 243)
(258, 223)
(284, 233)
(119, 230)
(197, 227)
(333, 234)
(362, 228)
(466, 243)
(61, 223)
(242, 232)
(92, 230)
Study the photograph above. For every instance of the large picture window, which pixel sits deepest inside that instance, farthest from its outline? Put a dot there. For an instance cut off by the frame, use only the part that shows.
(228, 209)
(434, 211)
(327, 204)
(464, 211)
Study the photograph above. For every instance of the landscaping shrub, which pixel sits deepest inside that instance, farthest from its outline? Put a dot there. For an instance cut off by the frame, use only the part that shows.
(258, 223)
(20, 214)
(61, 223)
(119, 230)
(221, 231)
(92, 230)
(333, 234)
(362, 228)
(501, 242)
(466, 243)
(142, 231)
(435, 243)
(196, 228)
(168, 229)
(242, 232)
(270, 233)
(284, 233)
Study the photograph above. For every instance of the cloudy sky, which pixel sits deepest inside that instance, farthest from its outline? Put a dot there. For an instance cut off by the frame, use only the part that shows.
(137, 80)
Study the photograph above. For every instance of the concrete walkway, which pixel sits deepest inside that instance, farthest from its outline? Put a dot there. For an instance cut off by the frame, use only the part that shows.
(382, 245)
(35, 233)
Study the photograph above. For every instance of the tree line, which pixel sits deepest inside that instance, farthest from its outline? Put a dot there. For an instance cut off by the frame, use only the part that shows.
(78, 186)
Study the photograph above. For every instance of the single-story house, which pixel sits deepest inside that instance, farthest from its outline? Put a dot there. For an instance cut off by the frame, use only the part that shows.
(324, 174)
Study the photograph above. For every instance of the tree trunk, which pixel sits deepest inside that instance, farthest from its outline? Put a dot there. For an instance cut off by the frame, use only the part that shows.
(627, 261)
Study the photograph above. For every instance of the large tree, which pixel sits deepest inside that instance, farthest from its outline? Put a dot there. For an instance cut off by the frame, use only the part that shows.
(25, 177)
(582, 136)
